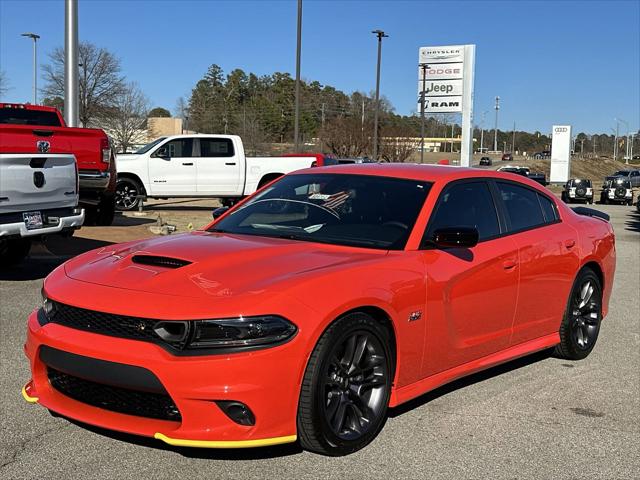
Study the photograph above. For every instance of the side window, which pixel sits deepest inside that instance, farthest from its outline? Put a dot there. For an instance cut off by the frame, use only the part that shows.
(180, 148)
(548, 209)
(467, 204)
(522, 205)
(216, 147)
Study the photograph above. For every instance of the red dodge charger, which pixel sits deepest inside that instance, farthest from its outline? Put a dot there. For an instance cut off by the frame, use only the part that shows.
(310, 308)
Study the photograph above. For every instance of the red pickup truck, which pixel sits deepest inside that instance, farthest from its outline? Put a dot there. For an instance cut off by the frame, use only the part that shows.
(38, 129)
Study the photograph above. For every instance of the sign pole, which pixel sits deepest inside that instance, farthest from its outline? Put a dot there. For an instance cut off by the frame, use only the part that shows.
(423, 93)
(466, 152)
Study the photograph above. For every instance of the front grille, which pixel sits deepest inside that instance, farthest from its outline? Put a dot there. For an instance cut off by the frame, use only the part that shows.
(116, 399)
(105, 323)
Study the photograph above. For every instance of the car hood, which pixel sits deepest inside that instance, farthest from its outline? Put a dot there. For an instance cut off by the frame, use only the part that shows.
(221, 265)
(126, 157)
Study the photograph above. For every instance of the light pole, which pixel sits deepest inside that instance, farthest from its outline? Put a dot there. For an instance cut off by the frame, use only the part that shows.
(422, 100)
(296, 122)
(615, 140)
(380, 34)
(627, 142)
(71, 88)
(35, 38)
(482, 132)
(495, 130)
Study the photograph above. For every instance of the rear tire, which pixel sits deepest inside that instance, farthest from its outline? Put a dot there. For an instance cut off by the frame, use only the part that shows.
(13, 251)
(581, 323)
(346, 387)
(106, 210)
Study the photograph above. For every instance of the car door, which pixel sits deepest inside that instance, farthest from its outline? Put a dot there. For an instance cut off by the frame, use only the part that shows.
(634, 176)
(471, 293)
(547, 249)
(218, 167)
(172, 169)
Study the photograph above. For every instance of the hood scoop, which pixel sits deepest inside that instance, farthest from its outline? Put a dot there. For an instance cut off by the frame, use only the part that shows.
(157, 261)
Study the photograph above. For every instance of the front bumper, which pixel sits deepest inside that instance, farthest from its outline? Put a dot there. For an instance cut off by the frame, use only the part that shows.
(267, 381)
(19, 229)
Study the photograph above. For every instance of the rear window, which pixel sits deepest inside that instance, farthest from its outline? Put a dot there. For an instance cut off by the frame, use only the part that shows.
(216, 147)
(522, 205)
(21, 116)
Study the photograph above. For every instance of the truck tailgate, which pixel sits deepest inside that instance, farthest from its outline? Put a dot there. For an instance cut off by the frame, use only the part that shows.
(37, 182)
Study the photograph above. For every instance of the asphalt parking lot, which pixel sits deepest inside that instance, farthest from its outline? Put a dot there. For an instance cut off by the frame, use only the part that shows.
(538, 417)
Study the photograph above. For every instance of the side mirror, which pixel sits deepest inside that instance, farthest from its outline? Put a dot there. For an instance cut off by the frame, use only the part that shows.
(162, 152)
(460, 237)
(218, 212)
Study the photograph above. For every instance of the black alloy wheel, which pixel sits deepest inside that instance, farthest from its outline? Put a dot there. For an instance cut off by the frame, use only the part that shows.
(581, 325)
(346, 387)
(127, 192)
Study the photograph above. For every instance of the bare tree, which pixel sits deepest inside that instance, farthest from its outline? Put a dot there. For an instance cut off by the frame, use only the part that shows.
(347, 137)
(4, 84)
(126, 121)
(397, 144)
(99, 77)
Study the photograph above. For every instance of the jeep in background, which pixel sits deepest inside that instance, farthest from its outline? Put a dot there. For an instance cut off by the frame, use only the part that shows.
(38, 129)
(616, 190)
(577, 190)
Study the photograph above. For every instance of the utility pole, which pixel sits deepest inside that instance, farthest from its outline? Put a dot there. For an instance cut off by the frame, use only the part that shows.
(71, 90)
(495, 130)
(482, 132)
(296, 122)
(362, 120)
(422, 100)
(615, 141)
(35, 38)
(581, 147)
(380, 34)
(322, 113)
(504, 147)
(513, 139)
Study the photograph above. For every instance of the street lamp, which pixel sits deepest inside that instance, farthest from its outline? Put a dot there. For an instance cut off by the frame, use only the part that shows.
(482, 131)
(35, 38)
(380, 34)
(627, 142)
(495, 130)
(423, 92)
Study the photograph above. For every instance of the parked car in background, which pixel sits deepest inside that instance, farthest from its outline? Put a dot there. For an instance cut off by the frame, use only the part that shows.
(539, 177)
(616, 190)
(33, 128)
(507, 157)
(308, 310)
(212, 166)
(38, 197)
(344, 161)
(486, 161)
(577, 190)
(632, 175)
(321, 160)
(542, 155)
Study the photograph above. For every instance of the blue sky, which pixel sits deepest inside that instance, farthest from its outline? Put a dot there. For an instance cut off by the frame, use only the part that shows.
(573, 62)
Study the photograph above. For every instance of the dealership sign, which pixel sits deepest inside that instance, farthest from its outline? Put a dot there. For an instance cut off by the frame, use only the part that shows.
(445, 85)
(560, 154)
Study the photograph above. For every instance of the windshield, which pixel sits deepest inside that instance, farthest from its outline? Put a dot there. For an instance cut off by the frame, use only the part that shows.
(149, 146)
(355, 210)
(580, 183)
(619, 183)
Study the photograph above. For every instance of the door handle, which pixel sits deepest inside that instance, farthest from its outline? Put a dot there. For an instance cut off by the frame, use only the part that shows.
(508, 264)
(230, 163)
(569, 243)
(188, 164)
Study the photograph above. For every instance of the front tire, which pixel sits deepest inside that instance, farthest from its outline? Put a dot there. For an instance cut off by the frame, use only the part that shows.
(581, 323)
(127, 192)
(346, 387)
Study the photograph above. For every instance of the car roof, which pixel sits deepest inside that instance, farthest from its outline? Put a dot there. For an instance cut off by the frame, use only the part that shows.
(416, 171)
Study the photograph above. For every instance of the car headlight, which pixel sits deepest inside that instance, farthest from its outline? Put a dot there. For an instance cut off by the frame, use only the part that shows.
(240, 332)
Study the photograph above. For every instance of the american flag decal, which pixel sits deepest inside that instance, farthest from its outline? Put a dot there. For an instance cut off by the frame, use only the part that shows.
(335, 200)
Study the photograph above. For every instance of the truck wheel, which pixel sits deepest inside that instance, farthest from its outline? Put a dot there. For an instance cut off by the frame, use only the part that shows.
(127, 191)
(13, 251)
(106, 210)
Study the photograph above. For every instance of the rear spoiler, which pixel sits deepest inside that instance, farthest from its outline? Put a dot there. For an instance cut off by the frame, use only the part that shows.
(591, 212)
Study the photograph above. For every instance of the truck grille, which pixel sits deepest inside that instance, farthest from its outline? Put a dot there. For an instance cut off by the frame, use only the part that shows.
(116, 399)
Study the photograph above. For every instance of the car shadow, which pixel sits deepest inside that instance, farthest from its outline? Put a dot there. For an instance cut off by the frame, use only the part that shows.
(256, 453)
(45, 257)
(121, 220)
(470, 380)
(633, 221)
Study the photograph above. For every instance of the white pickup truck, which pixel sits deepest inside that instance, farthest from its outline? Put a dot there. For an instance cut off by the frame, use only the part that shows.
(38, 196)
(197, 166)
